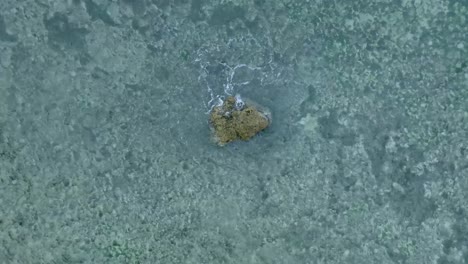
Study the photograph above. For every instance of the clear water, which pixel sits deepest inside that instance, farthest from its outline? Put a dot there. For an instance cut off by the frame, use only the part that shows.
(105, 150)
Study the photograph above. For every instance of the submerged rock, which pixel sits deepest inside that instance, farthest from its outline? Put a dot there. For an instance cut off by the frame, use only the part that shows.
(237, 119)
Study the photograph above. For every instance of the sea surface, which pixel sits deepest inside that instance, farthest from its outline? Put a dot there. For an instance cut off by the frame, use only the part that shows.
(106, 154)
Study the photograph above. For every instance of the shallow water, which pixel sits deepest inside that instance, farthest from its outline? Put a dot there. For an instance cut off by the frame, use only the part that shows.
(105, 151)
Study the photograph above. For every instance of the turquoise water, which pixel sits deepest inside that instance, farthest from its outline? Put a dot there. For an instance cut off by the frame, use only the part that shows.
(105, 149)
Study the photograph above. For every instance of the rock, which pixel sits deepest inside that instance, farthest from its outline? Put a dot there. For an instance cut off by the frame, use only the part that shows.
(236, 119)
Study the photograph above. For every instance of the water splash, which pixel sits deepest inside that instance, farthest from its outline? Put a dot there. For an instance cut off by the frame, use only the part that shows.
(230, 69)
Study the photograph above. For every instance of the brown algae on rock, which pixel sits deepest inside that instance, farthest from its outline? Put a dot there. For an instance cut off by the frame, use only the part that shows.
(236, 119)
